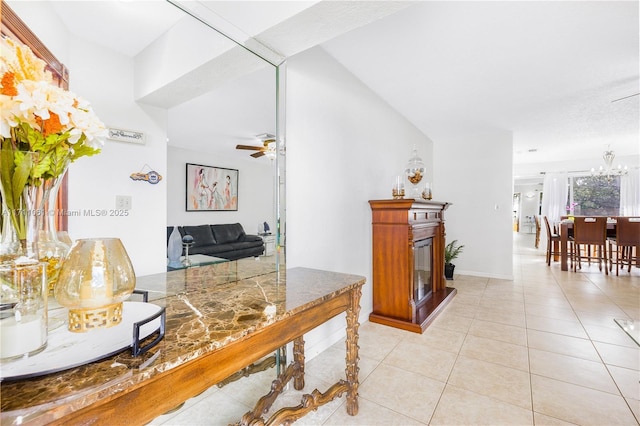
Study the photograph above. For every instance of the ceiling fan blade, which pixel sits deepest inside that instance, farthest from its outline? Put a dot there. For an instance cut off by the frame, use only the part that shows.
(257, 154)
(255, 148)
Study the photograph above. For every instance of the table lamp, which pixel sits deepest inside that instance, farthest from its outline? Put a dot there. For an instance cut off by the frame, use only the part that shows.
(95, 279)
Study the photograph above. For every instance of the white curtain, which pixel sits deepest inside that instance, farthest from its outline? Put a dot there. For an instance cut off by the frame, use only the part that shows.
(554, 196)
(630, 193)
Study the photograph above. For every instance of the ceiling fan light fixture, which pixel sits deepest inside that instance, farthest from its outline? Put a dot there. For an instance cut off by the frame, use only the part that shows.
(266, 136)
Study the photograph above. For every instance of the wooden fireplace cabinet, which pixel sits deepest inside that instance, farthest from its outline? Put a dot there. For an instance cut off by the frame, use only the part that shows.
(409, 287)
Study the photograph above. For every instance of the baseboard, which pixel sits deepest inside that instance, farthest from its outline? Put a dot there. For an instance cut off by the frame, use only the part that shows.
(485, 275)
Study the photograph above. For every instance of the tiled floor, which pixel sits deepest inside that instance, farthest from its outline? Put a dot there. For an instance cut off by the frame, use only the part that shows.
(542, 349)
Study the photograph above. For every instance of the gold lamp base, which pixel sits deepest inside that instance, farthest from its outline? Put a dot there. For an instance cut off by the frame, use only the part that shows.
(83, 320)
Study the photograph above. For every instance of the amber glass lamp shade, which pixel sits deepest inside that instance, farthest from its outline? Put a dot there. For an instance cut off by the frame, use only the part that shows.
(95, 279)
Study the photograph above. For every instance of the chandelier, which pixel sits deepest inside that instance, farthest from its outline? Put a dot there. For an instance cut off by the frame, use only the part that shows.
(608, 171)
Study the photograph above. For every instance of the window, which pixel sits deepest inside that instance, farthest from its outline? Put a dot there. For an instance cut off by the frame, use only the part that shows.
(594, 195)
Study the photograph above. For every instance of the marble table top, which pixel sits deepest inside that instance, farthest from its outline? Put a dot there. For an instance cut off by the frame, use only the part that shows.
(207, 308)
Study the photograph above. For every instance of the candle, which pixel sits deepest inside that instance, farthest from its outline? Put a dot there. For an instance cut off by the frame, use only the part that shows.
(23, 317)
(24, 336)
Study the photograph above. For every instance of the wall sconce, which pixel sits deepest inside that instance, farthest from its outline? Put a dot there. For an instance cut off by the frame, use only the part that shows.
(94, 280)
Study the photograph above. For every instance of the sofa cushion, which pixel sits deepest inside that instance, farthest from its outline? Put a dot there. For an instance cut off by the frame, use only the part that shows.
(227, 233)
(213, 249)
(202, 235)
(246, 244)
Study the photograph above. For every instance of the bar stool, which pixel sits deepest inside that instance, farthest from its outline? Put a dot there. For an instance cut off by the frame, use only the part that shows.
(553, 241)
(627, 239)
(589, 231)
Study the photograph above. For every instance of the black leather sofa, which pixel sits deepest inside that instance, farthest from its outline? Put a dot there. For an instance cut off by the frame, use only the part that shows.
(227, 241)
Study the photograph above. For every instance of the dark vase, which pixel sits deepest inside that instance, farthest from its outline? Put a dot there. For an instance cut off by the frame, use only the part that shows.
(448, 270)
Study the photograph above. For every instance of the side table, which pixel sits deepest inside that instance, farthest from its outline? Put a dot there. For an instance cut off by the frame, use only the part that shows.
(269, 244)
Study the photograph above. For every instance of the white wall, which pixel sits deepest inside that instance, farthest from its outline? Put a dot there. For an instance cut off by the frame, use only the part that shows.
(473, 170)
(255, 190)
(344, 147)
(105, 79)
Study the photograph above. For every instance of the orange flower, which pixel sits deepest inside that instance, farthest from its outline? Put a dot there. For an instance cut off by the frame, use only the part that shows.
(9, 84)
(50, 126)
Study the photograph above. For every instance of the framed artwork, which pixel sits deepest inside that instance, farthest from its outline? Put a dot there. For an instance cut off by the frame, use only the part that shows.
(211, 188)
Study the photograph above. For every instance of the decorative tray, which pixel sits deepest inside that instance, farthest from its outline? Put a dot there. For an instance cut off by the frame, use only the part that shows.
(66, 349)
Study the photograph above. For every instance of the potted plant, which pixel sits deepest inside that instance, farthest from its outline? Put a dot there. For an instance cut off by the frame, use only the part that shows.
(451, 251)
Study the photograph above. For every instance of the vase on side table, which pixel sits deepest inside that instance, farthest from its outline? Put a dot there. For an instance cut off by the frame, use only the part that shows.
(51, 249)
(174, 248)
(29, 215)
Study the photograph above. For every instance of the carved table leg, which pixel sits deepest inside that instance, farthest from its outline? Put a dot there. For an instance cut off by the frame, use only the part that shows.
(352, 351)
(298, 358)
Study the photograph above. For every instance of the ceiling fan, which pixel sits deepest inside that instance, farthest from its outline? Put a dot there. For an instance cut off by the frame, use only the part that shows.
(268, 146)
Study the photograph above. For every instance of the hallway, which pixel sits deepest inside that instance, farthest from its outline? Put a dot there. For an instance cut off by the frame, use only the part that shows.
(542, 349)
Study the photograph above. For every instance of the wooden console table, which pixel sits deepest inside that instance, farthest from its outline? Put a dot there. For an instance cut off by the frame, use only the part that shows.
(219, 320)
(409, 287)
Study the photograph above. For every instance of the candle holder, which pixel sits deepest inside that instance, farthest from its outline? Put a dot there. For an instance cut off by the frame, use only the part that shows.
(23, 309)
(95, 279)
(187, 241)
(398, 188)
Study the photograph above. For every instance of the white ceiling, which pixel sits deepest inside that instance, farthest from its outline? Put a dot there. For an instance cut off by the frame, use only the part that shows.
(546, 71)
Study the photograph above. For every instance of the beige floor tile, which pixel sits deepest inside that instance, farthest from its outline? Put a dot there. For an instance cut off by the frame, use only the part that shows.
(492, 380)
(555, 300)
(552, 325)
(542, 420)
(369, 414)
(462, 407)
(248, 390)
(507, 306)
(615, 336)
(377, 341)
(578, 371)
(600, 308)
(219, 409)
(453, 322)
(516, 319)
(497, 331)
(502, 353)
(438, 338)
(566, 345)
(546, 311)
(330, 364)
(508, 292)
(388, 385)
(421, 359)
(462, 307)
(619, 356)
(577, 404)
(634, 404)
(594, 318)
(467, 298)
(627, 380)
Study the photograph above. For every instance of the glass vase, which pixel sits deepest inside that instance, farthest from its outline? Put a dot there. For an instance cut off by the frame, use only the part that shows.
(21, 210)
(9, 242)
(51, 250)
(29, 229)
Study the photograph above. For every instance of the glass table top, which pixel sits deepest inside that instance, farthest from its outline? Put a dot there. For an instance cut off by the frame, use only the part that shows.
(195, 260)
(631, 327)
